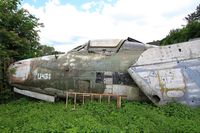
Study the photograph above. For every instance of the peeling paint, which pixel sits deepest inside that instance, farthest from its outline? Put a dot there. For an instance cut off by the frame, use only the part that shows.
(170, 73)
(161, 74)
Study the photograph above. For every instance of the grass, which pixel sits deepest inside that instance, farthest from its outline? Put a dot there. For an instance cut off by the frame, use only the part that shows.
(27, 116)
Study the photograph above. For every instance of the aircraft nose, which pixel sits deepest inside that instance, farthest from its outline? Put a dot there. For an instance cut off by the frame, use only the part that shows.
(19, 71)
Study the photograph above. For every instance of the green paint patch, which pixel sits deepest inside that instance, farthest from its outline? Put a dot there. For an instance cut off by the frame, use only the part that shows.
(36, 116)
(12, 71)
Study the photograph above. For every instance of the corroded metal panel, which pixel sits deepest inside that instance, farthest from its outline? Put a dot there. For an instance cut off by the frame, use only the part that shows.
(131, 92)
(176, 52)
(20, 70)
(96, 67)
(170, 73)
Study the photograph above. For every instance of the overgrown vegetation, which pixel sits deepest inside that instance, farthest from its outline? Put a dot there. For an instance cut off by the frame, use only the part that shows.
(36, 116)
(19, 39)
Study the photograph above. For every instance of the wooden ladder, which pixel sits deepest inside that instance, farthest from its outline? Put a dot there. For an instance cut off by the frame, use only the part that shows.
(91, 95)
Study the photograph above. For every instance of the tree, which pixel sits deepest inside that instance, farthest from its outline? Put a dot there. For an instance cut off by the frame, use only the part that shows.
(18, 34)
(45, 50)
(19, 38)
(190, 31)
(195, 16)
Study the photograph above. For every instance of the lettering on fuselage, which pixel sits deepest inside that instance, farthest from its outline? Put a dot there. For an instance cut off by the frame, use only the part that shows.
(45, 76)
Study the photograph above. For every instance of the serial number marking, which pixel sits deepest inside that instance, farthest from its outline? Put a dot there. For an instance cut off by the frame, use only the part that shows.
(46, 76)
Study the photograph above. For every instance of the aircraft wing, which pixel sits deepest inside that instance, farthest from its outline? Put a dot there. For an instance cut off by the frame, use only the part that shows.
(170, 73)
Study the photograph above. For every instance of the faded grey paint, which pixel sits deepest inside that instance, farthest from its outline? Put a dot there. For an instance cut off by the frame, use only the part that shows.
(170, 73)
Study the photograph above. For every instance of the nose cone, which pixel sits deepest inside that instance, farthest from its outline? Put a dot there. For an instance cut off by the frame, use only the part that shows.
(19, 71)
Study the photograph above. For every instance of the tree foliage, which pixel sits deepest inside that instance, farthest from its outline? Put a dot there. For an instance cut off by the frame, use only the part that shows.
(190, 31)
(19, 37)
(195, 16)
(45, 50)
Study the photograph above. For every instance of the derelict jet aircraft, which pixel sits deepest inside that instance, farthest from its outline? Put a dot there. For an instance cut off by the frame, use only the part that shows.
(161, 74)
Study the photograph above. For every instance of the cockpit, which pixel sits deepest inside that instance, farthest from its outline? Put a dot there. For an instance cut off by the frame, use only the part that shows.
(110, 46)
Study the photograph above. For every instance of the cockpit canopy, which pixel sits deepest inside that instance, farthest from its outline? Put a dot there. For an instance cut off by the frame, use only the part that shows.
(109, 43)
(110, 46)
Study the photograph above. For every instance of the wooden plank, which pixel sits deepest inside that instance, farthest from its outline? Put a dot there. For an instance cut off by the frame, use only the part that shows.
(91, 97)
(96, 94)
(100, 98)
(67, 99)
(83, 99)
(74, 100)
(108, 99)
(119, 97)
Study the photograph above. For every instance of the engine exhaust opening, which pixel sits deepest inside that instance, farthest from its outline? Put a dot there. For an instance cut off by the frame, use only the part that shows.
(156, 98)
